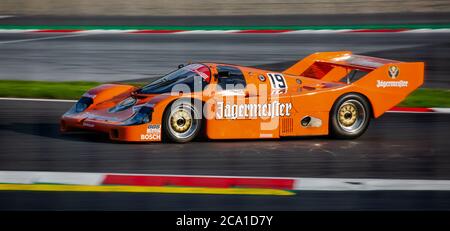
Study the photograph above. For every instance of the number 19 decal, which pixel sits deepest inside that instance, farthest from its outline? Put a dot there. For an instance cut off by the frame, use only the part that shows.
(277, 81)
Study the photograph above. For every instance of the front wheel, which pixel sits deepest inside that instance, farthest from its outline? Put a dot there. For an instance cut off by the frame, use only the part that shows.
(350, 116)
(182, 121)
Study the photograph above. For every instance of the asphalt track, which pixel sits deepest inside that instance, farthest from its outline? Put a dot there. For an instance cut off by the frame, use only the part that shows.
(396, 146)
(235, 20)
(303, 201)
(118, 57)
(403, 146)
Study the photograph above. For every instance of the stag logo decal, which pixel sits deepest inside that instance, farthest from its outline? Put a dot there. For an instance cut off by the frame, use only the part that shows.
(393, 72)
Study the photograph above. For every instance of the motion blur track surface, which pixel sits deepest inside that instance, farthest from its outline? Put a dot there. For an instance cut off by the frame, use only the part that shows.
(398, 146)
(235, 20)
(308, 200)
(119, 57)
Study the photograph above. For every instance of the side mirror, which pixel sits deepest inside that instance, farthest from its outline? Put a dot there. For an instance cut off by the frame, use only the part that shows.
(180, 66)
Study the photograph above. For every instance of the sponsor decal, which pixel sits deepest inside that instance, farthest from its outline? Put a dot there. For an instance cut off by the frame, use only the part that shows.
(384, 84)
(89, 125)
(99, 117)
(153, 133)
(154, 128)
(242, 111)
(393, 72)
(278, 83)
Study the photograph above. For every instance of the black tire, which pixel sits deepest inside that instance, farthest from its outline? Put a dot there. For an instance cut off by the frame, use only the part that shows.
(182, 121)
(350, 116)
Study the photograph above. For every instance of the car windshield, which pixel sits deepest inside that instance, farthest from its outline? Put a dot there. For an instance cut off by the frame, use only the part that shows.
(195, 76)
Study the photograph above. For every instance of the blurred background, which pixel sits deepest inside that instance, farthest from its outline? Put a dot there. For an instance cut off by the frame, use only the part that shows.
(57, 49)
(216, 7)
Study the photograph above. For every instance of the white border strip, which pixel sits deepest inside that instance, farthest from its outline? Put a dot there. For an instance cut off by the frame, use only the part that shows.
(205, 32)
(73, 178)
(17, 30)
(305, 31)
(434, 111)
(341, 184)
(441, 110)
(411, 112)
(301, 184)
(103, 31)
(6, 16)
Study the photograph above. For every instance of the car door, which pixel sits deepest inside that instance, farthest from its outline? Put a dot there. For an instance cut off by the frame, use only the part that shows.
(236, 107)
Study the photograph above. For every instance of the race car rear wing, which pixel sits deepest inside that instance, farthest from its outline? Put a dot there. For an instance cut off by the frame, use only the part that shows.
(322, 64)
(384, 80)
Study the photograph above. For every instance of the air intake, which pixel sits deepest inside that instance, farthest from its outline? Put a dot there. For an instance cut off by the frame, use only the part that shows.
(287, 126)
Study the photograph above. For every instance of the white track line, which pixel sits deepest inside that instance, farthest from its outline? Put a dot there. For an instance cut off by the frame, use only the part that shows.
(104, 31)
(40, 100)
(441, 110)
(412, 112)
(305, 31)
(16, 30)
(44, 38)
(76, 178)
(322, 31)
(435, 111)
(6, 16)
(301, 184)
(426, 31)
(336, 184)
(206, 32)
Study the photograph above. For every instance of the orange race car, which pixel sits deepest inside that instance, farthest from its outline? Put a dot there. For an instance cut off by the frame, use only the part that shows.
(334, 93)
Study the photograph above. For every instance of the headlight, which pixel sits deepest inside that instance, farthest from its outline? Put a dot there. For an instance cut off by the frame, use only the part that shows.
(82, 104)
(143, 116)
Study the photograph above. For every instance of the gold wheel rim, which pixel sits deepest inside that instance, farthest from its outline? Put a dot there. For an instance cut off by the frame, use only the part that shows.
(181, 121)
(348, 114)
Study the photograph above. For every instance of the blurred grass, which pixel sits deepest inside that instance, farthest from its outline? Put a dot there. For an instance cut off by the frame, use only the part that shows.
(424, 97)
(44, 89)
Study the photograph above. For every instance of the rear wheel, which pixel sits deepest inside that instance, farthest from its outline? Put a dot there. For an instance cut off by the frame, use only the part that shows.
(182, 121)
(350, 116)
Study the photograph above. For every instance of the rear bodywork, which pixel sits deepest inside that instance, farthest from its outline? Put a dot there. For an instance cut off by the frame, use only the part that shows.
(269, 105)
